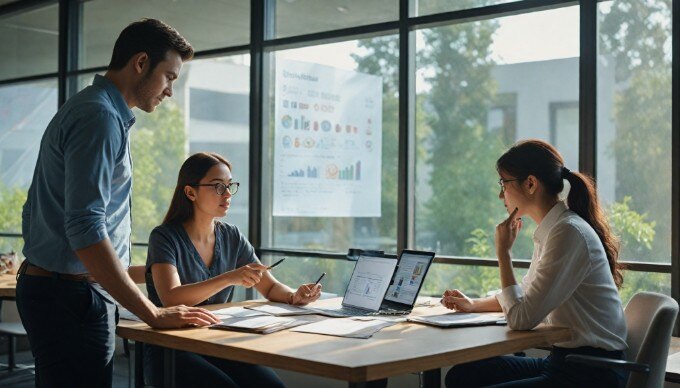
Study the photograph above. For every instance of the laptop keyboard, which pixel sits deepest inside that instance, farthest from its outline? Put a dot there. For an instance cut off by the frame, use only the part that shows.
(349, 311)
(353, 311)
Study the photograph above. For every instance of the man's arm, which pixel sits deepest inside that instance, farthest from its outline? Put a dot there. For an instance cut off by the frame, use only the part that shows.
(102, 263)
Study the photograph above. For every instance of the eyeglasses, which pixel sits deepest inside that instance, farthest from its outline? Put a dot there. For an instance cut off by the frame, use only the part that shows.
(221, 188)
(502, 182)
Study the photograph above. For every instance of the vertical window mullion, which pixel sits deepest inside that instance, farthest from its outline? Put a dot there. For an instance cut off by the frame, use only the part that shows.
(588, 88)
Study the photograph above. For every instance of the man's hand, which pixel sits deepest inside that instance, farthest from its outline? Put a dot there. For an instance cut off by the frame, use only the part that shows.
(182, 316)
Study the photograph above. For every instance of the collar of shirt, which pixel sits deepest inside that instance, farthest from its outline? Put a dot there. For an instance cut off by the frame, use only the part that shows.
(549, 221)
(117, 98)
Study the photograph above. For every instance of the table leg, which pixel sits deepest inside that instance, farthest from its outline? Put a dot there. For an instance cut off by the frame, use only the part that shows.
(432, 378)
(169, 368)
(369, 384)
(139, 364)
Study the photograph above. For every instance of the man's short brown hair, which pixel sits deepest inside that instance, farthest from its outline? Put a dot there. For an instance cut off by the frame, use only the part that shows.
(151, 36)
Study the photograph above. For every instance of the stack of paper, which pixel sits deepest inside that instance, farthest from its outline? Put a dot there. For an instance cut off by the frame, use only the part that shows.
(345, 327)
(262, 324)
(456, 319)
(280, 309)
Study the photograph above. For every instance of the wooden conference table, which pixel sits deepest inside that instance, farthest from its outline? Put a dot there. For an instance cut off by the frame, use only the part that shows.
(396, 350)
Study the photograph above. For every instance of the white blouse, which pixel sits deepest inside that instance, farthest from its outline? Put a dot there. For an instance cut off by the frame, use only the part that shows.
(569, 284)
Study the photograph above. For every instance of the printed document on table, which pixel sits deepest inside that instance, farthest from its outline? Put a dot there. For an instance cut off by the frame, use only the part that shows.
(236, 312)
(345, 327)
(459, 319)
(280, 309)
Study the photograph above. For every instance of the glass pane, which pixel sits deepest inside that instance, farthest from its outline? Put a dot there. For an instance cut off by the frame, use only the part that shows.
(330, 172)
(473, 281)
(25, 111)
(9, 244)
(208, 112)
(297, 17)
(427, 7)
(635, 282)
(480, 87)
(138, 255)
(300, 270)
(634, 125)
(29, 43)
(212, 24)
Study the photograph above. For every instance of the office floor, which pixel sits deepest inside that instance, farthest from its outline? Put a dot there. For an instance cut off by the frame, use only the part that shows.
(26, 378)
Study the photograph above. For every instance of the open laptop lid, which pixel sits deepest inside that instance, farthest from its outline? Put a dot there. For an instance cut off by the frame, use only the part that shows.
(369, 282)
(408, 279)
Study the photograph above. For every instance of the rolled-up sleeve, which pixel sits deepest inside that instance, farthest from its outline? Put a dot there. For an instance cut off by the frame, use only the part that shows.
(90, 154)
(562, 267)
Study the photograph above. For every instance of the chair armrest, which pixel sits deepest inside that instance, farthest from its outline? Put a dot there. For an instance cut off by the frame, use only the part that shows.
(608, 363)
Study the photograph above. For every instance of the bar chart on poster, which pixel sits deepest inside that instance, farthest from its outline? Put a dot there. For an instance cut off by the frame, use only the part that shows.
(328, 135)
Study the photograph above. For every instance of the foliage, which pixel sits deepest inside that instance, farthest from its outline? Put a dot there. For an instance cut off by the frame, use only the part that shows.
(634, 231)
(158, 146)
(636, 34)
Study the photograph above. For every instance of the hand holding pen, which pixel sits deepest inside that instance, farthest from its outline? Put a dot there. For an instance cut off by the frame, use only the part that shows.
(307, 293)
(277, 263)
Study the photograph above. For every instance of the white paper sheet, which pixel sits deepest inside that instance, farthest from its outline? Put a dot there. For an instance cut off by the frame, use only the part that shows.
(280, 309)
(345, 327)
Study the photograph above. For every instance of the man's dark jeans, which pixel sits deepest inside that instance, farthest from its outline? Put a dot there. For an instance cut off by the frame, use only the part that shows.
(71, 328)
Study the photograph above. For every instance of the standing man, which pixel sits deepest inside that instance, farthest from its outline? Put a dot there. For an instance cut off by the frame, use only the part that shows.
(76, 220)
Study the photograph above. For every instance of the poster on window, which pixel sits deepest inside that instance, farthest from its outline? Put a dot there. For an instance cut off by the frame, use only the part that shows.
(328, 141)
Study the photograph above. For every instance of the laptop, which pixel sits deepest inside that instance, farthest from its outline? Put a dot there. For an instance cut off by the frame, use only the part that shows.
(367, 287)
(407, 281)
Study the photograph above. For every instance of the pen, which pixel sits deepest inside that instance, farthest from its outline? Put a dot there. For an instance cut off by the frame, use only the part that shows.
(277, 263)
(320, 277)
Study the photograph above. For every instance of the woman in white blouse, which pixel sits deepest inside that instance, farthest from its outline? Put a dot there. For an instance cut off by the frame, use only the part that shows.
(572, 282)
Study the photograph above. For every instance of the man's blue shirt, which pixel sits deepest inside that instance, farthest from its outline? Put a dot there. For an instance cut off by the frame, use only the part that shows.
(80, 193)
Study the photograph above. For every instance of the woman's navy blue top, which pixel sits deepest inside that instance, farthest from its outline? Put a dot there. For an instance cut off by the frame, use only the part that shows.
(171, 244)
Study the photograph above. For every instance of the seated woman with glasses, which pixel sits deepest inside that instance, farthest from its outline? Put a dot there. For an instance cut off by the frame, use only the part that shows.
(196, 259)
(573, 278)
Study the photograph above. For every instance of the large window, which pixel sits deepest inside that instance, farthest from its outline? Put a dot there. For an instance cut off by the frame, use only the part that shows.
(353, 155)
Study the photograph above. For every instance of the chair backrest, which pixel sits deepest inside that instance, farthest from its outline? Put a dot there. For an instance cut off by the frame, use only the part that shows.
(650, 318)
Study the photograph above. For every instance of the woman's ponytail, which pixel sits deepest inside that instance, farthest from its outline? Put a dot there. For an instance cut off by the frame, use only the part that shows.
(583, 200)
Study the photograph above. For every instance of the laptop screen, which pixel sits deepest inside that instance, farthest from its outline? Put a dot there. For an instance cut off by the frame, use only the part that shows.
(408, 279)
(369, 281)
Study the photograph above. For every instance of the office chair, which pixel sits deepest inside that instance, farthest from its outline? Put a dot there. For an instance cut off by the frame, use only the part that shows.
(650, 318)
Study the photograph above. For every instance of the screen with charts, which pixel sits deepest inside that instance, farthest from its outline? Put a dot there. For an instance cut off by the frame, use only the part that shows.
(407, 280)
(369, 281)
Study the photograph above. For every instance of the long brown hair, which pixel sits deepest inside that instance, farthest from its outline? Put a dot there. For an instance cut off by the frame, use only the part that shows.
(192, 171)
(543, 161)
